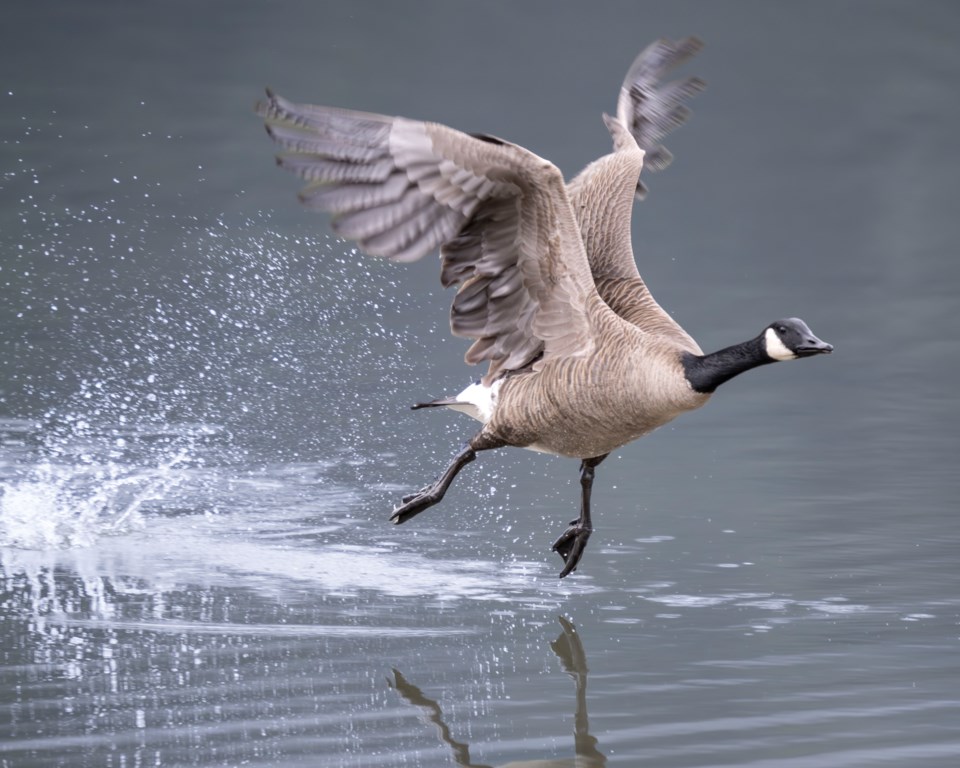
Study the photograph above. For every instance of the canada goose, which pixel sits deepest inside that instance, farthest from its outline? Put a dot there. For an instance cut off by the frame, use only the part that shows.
(582, 359)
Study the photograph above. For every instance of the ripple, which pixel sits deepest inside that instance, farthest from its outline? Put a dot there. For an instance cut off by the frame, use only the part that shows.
(267, 630)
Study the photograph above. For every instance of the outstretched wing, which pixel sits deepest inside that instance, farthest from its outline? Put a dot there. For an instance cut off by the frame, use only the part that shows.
(499, 213)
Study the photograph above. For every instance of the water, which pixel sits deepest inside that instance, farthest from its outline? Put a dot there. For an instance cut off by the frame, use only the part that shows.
(204, 423)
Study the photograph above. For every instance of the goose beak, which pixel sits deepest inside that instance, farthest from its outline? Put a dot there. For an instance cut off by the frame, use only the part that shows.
(813, 346)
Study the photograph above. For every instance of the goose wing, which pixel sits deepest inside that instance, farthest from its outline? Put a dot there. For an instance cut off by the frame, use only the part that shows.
(499, 214)
(650, 109)
(603, 194)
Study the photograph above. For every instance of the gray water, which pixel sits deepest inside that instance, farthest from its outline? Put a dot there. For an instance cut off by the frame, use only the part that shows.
(204, 423)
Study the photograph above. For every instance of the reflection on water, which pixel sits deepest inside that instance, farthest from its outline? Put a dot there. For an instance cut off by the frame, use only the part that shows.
(252, 667)
(569, 651)
(142, 653)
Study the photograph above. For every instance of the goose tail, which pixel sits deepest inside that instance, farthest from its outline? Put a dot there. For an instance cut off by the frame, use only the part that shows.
(443, 402)
(477, 401)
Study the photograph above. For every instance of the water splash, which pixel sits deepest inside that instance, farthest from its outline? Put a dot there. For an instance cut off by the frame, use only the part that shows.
(67, 484)
(63, 505)
(131, 328)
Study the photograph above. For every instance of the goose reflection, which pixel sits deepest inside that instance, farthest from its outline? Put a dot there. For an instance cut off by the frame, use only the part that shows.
(569, 650)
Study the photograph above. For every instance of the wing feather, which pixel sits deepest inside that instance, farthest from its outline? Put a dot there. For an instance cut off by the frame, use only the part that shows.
(603, 197)
(499, 214)
(649, 109)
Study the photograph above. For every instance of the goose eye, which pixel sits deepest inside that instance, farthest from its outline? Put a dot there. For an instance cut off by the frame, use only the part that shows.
(781, 329)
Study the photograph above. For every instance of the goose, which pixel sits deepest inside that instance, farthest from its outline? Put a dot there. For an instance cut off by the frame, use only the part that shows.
(581, 358)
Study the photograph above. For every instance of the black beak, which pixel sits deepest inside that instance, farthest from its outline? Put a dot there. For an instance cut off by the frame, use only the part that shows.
(813, 346)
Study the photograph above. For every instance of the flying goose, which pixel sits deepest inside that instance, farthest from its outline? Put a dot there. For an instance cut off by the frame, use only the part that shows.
(581, 358)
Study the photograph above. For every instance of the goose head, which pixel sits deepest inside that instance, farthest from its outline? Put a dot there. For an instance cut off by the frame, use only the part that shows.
(790, 339)
(787, 339)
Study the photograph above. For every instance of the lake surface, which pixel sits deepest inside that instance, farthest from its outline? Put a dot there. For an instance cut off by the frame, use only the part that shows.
(204, 398)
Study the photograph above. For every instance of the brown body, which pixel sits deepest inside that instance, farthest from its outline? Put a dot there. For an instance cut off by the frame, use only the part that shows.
(588, 407)
(631, 381)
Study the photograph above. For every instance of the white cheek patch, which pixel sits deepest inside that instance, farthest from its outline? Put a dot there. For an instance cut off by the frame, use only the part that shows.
(776, 348)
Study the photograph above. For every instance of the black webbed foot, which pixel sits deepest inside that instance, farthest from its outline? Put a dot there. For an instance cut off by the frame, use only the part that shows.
(414, 503)
(415, 495)
(571, 544)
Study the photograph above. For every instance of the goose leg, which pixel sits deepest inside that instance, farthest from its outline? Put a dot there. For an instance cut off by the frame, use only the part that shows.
(414, 503)
(573, 541)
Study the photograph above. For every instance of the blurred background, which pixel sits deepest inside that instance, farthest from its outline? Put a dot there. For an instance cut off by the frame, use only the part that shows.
(204, 401)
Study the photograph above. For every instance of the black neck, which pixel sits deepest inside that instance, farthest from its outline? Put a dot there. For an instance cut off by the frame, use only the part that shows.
(707, 372)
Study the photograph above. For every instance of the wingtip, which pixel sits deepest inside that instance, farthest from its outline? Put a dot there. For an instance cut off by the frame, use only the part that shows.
(263, 106)
(697, 84)
(692, 43)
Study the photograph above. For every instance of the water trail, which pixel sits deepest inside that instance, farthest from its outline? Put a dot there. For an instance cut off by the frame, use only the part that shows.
(147, 386)
(146, 343)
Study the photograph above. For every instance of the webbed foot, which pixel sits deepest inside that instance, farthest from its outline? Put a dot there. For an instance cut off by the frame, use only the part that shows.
(413, 504)
(571, 544)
